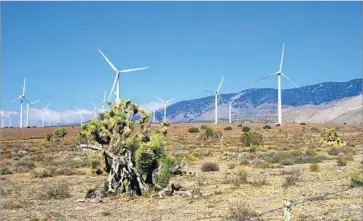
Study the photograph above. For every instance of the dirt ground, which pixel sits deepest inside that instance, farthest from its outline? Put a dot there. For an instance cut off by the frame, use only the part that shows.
(29, 194)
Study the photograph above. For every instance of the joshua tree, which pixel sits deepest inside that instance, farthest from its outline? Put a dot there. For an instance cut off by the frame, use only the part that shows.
(135, 159)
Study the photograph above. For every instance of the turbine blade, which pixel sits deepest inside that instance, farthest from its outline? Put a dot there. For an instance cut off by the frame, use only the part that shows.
(267, 76)
(170, 100)
(297, 86)
(94, 105)
(24, 86)
(159, 99)
(16, 99)
(220, 84)
(108, 61)
(104, 97)
(220, 98)
(46, 106)
(113, 86)
(209, 91)
(34, 102)
(133, 69)
(282, 56)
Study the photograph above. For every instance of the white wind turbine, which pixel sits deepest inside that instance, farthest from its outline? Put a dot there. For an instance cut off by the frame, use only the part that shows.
(27, 111)
(165, 104)
(216, 95)
(49, 120)
(230, 110)
(22, 99)
(10, 118)
(2, 120)
(43, 110)
(95, 110)
(104, 101)
(116, 81)
(279, 73)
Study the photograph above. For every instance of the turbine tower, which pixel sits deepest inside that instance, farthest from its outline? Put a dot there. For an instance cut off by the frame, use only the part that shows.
(95, 110)
(230, 110)
(27, 111)
(104, 101)
(49, 117)
(165, 104)
(2, 120)
(43, 109)
(10, 117)
(279, 74)
(22, 99)
(116, 81)
(216, 95)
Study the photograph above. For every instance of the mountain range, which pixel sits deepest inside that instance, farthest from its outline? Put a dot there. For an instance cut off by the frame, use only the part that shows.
(329, 100)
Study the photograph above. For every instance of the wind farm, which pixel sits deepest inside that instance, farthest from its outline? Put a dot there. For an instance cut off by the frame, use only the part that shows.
(184, 111)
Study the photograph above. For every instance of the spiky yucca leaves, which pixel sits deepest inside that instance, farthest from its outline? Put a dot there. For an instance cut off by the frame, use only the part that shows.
(131, 157)
(332, 138)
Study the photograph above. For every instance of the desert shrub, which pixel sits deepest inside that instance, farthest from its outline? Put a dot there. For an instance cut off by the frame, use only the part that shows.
(228, 128)
(314, 167)
(252, 149)
(239, 125)
(55, 191)
(348, 150)
(59, 133)
(191, 157)
(356, 178)
(251, 138)
(277, 125)
(209, 166)
(43, 172)
(209, 132)
(15, 203)
(294, 157)
(334, 151)
(314, 130)
(332, 138)
(246, 129)
(193, 130)
(231, 165)
(303, 123)
(241, 211)
(259, 180)
(49, 137)
(293, 176)
(347, 157)
(4, 170)
(237, 178)
(267, 127)
(203, 127)
(341, 162)
(311, 152)
(287, 162)
(24, 166)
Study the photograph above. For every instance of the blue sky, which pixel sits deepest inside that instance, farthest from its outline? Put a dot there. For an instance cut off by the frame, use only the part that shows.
(188, 46)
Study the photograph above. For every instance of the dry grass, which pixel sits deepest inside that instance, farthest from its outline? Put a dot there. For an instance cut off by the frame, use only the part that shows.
(58, 194)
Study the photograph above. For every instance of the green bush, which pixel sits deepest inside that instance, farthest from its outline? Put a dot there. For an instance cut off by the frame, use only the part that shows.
(49, 137)
(164, 176)
(267, 127)
(356, 178)
(303, 123)
(203, 127)
(209, 132)
(60, 132)
(193, 130)
(228, 128)
(332, 138)
(251, 138)
(239, 125)
(246, 129)
(341, 162)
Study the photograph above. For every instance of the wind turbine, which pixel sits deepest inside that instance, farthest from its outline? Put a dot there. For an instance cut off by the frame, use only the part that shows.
(230, 110)
(279, 73)
(95, 108)
(2, 120)
(49, 117)
(104, 101)
(165, 104)
(81, 118)
(22, 98)
(10, 117)
(216, 95)
(27, 111)
(116, 81)
(43, 109)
